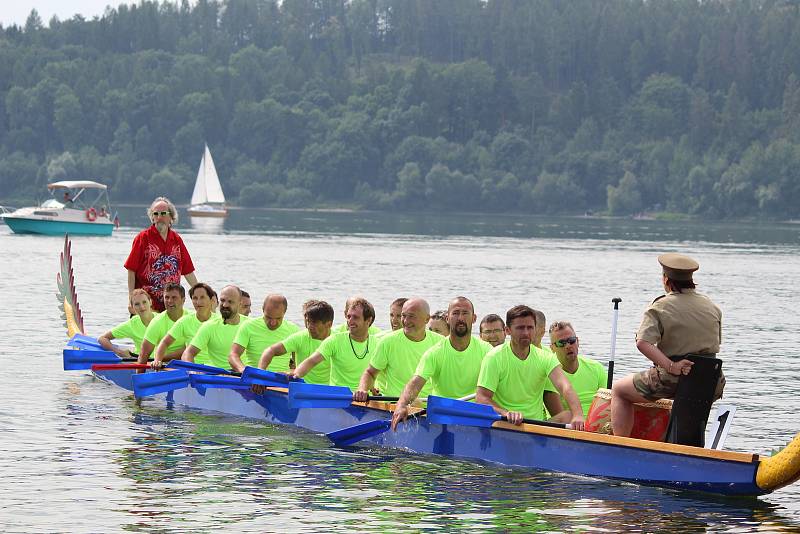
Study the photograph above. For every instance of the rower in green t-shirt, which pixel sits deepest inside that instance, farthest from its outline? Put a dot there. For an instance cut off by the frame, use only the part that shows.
(133, 328)
(174, 298)
(438, 323)
(585, 375)
(347, 352)
(245, 305)
(373, 330)
(513, 374)
(318, 317)
(212, 342)
(493, 330)
(257, 335)
(179, 335)
(450, 367)
(396, 312)
(399, 352)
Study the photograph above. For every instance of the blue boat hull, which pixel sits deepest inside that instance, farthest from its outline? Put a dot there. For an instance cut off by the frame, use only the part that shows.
(568, 454)
(48, 227)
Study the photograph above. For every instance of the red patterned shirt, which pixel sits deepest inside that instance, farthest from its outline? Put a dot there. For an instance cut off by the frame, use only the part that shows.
(158, 262)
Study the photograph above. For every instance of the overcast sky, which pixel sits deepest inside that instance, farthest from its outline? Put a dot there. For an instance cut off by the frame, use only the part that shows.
(16, 11)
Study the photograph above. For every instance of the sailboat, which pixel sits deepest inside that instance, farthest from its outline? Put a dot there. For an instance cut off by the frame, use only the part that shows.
(207, 197)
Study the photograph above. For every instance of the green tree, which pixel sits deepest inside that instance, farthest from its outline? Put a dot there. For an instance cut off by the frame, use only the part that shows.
(625, 198)
(451, 189)
(410, 186)
(167, 183)
(556, 193)
(67, 118)
(259, 195)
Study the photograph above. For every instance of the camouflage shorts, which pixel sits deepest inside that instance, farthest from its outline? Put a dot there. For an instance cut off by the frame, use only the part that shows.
(656, 383)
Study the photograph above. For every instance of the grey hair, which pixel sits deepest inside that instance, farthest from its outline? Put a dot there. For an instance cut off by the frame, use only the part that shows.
(173, 211)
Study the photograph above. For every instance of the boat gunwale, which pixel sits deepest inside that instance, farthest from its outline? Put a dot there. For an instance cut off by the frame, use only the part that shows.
(605, 439)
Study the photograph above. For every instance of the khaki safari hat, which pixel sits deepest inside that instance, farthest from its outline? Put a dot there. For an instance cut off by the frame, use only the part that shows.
(678, 266)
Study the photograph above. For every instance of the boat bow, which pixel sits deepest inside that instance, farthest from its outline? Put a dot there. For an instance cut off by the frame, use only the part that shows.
(780, 469)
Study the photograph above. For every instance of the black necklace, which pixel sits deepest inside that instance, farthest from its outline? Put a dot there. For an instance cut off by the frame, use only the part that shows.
(366, 351)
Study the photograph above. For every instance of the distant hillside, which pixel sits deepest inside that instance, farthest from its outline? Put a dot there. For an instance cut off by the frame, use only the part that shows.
(538, 106)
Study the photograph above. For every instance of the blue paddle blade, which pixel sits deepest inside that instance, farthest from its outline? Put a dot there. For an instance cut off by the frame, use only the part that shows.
(191, 366)
(444, 411)
(78, 359)
(260, 377)
(80, 340)
(217, 381)
(148, 384)
(318, 396)
(354, 434)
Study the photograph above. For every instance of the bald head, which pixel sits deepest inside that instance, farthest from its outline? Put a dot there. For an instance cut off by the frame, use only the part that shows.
(417, 304)
(415, 315)
(461, 302)
(274, 299)
(229, 299)
(274, 309)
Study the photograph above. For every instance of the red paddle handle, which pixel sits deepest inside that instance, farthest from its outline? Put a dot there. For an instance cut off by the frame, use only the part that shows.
(118, 366)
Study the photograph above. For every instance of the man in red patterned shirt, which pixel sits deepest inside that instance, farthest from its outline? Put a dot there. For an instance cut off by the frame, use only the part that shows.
(158, 255)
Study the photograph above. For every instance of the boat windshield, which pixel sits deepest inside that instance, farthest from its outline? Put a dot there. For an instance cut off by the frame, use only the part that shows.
(80, 198)
(52, 204)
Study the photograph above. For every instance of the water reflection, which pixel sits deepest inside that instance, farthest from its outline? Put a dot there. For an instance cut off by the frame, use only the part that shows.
(208, 225)
(103, 464)
(198, 469)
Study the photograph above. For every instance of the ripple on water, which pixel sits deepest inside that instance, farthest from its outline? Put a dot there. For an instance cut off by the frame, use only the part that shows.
(103, 462)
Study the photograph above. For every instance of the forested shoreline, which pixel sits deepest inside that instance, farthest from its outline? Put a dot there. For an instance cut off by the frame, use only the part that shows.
(540, 106)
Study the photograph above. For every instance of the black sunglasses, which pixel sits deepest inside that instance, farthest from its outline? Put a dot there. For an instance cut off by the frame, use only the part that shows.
(564, 342)
(161, 213)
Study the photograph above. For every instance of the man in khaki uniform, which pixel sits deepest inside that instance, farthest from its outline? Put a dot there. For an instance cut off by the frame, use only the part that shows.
(677, 324)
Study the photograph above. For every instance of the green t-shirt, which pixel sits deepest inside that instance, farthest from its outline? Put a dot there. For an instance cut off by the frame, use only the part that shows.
(452, 373)
(187, 326)
(159, 327)
(256, 337)
(303, 346)
(589, 377)
(133, 329)
(348, 358)
(214, 339)
(396, 357)
(518, 385)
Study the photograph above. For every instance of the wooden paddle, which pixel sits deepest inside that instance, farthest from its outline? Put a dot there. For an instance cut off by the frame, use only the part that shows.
(354, 434)
(203, 382)
(200, 367)
(147, 384)
(446, 411)
(83, 341)
(261, 377)
(83, 359)
(303, 395)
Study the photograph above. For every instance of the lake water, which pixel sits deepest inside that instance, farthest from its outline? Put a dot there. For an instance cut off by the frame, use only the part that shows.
(78, 455)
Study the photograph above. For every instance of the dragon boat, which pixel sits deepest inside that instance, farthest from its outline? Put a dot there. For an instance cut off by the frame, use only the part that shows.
(528, 446)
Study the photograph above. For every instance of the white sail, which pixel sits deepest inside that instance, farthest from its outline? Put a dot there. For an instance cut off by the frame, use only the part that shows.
(207, 188)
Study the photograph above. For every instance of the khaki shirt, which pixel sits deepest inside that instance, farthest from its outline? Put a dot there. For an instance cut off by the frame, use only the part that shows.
(682, 323)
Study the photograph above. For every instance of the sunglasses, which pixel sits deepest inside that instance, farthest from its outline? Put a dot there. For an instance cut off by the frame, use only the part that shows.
(567, 341)
(161, 213)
